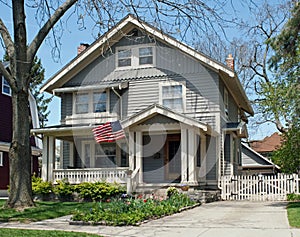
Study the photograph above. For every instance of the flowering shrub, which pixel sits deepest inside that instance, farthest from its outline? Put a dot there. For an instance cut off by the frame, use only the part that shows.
(131, 211)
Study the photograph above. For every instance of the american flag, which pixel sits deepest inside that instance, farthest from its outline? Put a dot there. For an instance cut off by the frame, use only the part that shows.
(108, 132)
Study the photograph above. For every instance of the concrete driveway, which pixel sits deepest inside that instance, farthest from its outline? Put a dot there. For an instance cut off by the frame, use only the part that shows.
(226, 219)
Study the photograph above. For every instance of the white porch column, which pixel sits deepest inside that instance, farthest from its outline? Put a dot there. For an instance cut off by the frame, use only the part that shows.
(184, 152)
(202, 173)
(192, 156)
(131, 151)
(51, 157)
(139, 154)
(45, 158)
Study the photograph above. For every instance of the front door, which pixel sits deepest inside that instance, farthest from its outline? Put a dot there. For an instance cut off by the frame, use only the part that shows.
(173, 157)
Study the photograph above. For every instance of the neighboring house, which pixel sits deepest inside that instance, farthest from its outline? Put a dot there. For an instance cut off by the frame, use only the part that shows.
(266, 146)
(6, 131)
(183, 112)
(255, 163)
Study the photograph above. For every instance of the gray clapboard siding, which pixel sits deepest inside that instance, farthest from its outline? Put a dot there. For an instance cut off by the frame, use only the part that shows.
(211, 158)
(233, 109)
(66, 105)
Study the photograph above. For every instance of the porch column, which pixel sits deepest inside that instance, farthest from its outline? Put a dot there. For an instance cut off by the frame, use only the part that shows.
(45, 158)
(202, 173)
(51, 157)
(139, 154)
(192, 156)
(184, 152)
(131, 151)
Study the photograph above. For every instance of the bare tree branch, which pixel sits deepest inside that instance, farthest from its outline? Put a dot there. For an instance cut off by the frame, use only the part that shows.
(43, 32)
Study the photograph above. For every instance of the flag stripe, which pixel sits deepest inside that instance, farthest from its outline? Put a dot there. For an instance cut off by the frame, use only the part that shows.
(108, 132)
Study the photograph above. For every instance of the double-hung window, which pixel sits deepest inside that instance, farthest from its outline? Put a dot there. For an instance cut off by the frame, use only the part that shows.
(135, 56)
(82, 103)
(145, 55)
(172, 95)
(6, 90)
(90, 102)
(124, 57)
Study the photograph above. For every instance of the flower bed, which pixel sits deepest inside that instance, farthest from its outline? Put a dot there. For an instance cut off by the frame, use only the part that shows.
(129, 211)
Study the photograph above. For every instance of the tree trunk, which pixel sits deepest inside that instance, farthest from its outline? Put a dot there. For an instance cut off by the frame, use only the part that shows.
(20, 195)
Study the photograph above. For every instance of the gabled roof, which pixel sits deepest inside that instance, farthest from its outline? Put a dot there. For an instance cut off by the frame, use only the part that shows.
(251, 158)
(124, 27)
(155, 109)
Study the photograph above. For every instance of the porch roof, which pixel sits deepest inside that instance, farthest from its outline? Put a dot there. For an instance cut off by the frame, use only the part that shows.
(155, 109)
(65, 132)
(35, 151)
(239, 127)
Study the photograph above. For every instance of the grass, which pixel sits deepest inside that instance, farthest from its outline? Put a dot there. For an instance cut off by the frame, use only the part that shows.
(293, 212)
(41, 233)
(42, 211)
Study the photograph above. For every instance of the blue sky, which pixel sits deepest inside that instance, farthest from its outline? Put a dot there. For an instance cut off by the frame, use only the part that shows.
(71, 38)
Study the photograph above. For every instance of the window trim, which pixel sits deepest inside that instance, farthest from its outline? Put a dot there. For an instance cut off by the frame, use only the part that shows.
(135, 59)
(91, 101)
(4, 85)
(173, 83)
(1, 159)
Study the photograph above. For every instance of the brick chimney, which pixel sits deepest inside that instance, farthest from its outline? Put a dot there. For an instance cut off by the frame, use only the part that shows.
(230, 61)
(82, 47)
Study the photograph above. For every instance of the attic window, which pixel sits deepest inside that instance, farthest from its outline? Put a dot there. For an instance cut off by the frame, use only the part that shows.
(135, 56)
(124, 57)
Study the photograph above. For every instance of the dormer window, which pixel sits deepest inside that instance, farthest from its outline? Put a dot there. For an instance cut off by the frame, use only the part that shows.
(145, 56)
(6, 90)
(124, 58)
(135, 56)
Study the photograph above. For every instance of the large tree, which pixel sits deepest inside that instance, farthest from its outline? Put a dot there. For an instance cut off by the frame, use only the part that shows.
(185, 19)
(286, 62)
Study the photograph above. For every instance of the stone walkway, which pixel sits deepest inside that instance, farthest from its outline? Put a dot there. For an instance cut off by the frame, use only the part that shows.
(234, 219)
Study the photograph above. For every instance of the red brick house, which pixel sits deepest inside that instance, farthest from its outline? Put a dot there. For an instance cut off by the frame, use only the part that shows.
(6, 131)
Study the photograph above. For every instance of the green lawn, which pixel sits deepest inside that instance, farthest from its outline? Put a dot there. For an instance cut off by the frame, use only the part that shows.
(41, 233)
(43, 211)
(293, 211)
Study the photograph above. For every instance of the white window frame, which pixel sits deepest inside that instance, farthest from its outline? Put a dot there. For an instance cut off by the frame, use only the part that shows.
(92, 161)
(173, 83)
(226, 103)
(1, 159)
(5, 85)
(135, 58)
(91, 101)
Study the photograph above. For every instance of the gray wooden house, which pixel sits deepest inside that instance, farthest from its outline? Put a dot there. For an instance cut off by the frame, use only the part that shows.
(183, 112)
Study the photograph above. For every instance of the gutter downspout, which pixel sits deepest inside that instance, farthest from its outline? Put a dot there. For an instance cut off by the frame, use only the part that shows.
(120, 97)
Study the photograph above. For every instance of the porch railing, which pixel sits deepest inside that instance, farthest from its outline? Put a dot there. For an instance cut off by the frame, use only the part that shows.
(133, 180)
(76, 176)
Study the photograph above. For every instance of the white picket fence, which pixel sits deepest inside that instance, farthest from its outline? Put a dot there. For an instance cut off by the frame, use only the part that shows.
(259, 187)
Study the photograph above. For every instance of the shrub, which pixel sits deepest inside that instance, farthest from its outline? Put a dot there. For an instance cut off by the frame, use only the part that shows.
(64, 190)
(293, 197)
(99, 191)
(40, 187)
